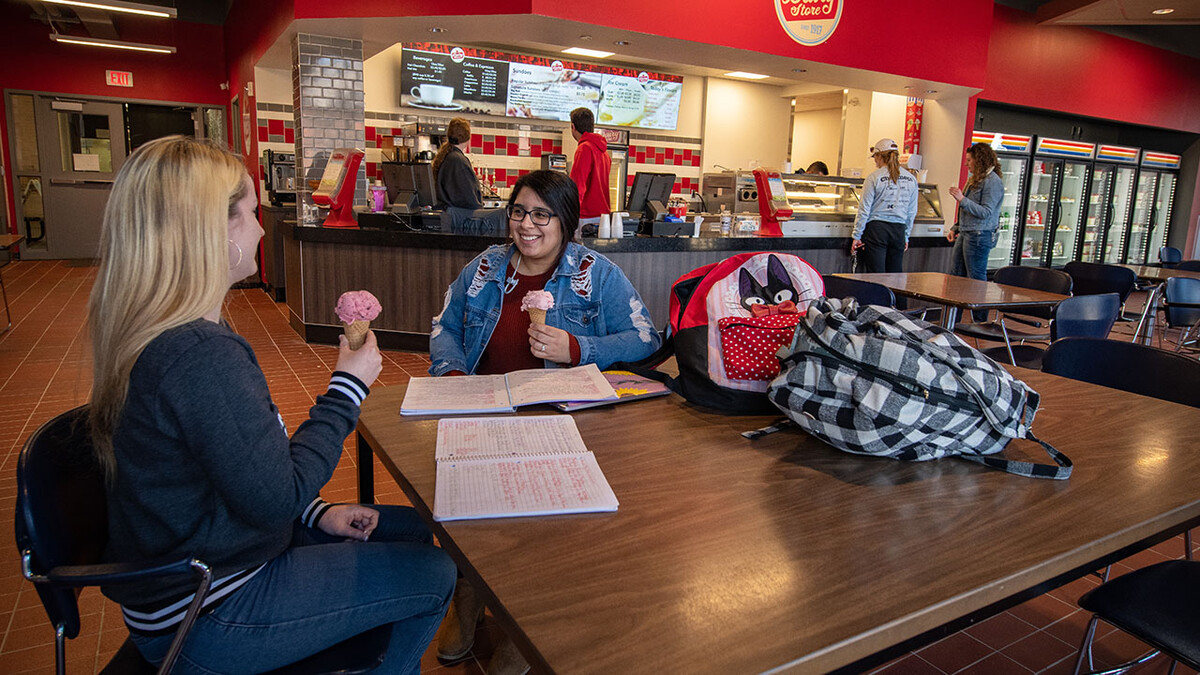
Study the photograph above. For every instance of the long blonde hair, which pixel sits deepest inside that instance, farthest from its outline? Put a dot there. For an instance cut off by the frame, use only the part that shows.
(164, 261)
(891, 159)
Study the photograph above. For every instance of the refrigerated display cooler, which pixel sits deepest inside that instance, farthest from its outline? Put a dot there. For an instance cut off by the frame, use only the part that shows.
(1013, 151)
(1153, 201)
(618, 177)
(1109, 200)
(1054, 209)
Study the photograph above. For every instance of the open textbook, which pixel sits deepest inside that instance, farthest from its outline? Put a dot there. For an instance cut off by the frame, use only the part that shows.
(473, 394)
(627, 385)
(499, 467)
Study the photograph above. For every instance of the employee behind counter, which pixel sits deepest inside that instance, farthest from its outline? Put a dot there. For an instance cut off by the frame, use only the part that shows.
(458, 193)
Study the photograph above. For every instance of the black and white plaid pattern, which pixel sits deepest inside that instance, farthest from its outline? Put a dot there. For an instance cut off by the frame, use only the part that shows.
(873, 381)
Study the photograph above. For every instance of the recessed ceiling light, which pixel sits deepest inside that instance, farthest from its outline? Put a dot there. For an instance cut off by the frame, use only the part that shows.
(931, 91)
(594, 53)
(799, 70)
(620, 43)
(437, 29)
(585, 37)
(119, 6)
(1164, 10)
(112, 44)
(746, 76)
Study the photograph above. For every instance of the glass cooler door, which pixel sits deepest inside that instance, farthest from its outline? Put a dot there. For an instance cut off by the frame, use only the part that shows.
(1099, 206)
(1013, 170)
(1143, 204)
(1163, 200)
(1043, 186)
(1068, 216)
(1118, 214)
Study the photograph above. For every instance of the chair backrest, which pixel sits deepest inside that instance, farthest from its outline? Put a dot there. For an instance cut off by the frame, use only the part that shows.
(1181, 301)
(1036, 278)
(1096, 278)
(1085, 316)
(1169, 255)
(1124, 365)
(61, 513)
(866, 292)
(1189, 266)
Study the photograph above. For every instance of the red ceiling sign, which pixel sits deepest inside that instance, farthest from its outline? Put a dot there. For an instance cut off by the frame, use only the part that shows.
(809, 22)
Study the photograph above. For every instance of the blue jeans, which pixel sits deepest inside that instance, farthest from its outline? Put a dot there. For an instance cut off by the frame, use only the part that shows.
(969, 257)
(321, 591)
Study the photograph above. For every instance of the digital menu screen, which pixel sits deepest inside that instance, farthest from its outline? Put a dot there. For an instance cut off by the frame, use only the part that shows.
(450, 78)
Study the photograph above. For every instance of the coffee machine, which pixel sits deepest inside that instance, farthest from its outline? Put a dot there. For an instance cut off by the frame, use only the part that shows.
(280, 177)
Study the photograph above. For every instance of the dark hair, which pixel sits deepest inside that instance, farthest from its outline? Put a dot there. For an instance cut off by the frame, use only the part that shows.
(560, 194)
(817, 168)
(583, 120)
(985, 158)
(457, 131)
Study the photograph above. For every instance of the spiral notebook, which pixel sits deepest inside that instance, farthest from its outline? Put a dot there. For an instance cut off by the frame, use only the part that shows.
(504, 467)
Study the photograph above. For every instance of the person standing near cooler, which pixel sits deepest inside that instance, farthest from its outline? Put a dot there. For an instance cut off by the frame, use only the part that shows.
(978, 226)
(591, 167)
(886, 212)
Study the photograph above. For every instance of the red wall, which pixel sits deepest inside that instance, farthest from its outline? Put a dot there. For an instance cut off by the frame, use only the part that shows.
(35, 63)
(1084, 72)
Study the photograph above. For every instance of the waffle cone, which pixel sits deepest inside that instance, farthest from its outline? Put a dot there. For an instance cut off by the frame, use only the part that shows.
(356, 333)
(537, 315)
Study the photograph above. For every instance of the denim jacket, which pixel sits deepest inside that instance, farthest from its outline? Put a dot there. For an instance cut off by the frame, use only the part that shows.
(979, 209)
(593, 300)
(887, 201)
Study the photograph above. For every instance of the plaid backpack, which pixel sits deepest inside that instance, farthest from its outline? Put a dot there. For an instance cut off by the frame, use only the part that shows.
(873, 381)
(727, 321)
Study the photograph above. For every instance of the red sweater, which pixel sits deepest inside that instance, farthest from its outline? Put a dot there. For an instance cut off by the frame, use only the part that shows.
(590, 171)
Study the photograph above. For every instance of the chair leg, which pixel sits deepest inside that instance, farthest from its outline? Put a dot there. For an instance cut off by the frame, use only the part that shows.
(1187, 542)
(1007, 343)
(60, 650)
(1085, 649)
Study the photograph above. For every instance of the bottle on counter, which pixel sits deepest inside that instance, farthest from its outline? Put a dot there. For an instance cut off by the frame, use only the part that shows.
(726, 222)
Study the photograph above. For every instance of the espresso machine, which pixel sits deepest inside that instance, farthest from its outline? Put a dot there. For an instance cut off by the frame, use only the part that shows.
(280, 177)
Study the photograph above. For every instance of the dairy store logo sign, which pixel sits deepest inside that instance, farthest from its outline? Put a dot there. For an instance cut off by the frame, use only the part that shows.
(809, 22)
(457, 55)
(643, 77)
(556, 66)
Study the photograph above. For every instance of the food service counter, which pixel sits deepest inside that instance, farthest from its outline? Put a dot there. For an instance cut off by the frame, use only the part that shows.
(410, 271)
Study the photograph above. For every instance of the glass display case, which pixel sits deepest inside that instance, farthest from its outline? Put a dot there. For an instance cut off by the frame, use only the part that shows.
(828, 205)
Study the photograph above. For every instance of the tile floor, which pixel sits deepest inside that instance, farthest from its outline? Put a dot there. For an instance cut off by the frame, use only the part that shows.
(45, 369)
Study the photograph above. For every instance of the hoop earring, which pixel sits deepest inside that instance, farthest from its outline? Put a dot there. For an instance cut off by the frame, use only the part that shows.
(239, 250)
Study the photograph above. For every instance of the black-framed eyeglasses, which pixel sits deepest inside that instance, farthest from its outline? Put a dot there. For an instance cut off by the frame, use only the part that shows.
(539, 217)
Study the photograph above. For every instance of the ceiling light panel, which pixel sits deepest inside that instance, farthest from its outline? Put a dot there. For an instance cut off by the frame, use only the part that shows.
(113, 44)
(120, 6)
(594, 53)
(746, 76)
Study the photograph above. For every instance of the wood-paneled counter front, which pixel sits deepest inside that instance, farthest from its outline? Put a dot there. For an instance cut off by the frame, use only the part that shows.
(410, 271)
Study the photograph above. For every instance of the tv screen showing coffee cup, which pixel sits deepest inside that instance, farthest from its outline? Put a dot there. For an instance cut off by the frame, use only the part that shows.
(436, 94)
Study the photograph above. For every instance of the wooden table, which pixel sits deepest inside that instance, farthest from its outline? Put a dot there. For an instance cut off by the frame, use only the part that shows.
(959, 292)
(7, 242)
(1159, 275)
(733, 556)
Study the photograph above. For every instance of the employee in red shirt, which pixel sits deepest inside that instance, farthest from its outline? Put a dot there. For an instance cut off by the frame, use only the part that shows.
(591, 167)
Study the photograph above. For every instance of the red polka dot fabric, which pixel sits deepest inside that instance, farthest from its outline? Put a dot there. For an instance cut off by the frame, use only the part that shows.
(749, 344)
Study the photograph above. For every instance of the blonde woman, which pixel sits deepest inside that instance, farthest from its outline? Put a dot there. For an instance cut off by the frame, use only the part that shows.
(886, 212)
(198, 461)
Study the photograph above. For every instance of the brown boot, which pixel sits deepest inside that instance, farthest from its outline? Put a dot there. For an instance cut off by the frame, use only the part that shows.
(507, 660)
(456, 635)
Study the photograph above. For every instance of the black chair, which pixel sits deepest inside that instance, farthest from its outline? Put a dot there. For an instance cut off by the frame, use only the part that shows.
(1037, 319)
(1096, 278)
(1189, 266)
(62, 529)
(1181, 307)
(1169, 256)
(1157, 605)
(1127, 366)
(868, 293)
(1077, 316)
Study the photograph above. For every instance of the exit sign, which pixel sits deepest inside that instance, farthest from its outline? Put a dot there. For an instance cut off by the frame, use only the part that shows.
(119, 78)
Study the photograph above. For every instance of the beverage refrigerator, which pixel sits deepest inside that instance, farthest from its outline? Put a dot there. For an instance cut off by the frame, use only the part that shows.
(1012, 150)
(618, 150)
(1152, 204)
(1109, 202)
(1054, 208)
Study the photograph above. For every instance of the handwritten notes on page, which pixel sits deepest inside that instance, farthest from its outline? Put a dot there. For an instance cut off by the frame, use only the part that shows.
(516, 466)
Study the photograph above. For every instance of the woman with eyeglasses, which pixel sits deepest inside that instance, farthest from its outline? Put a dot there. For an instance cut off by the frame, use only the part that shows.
(598, 317)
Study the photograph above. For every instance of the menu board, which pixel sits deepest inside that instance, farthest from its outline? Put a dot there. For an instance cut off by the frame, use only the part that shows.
(449, 78)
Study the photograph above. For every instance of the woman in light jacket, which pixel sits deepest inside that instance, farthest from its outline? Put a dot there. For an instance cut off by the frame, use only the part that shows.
(886, 212)
(978, 226)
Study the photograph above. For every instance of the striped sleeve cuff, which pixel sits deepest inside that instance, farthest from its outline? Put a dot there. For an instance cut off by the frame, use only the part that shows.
(312, 514)
(344, 385)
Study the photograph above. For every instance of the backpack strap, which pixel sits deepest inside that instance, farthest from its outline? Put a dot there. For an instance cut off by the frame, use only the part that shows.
(1028, 469)
(646, 367)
